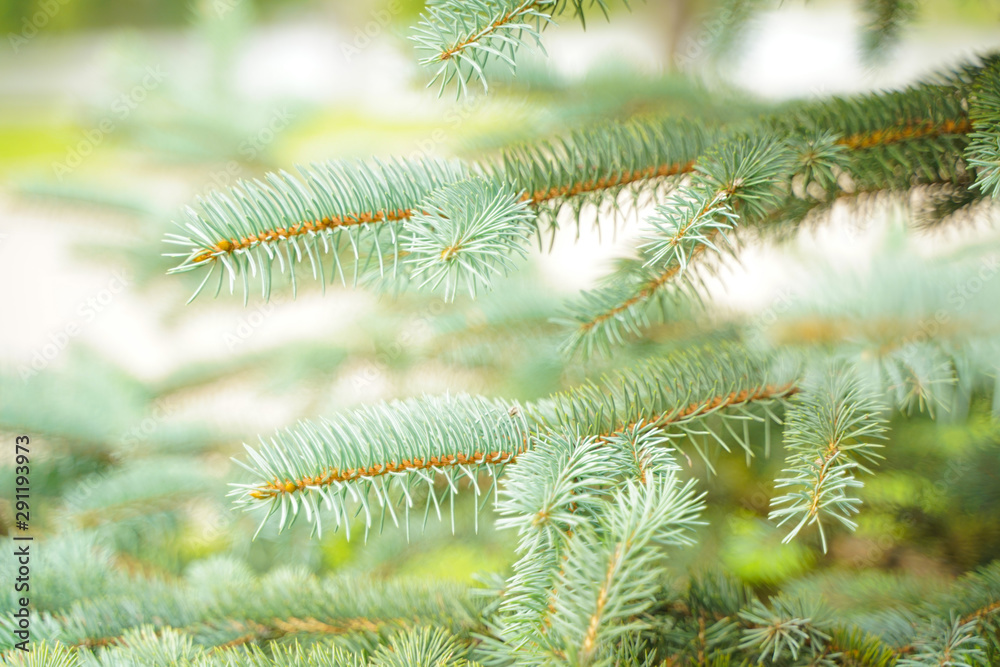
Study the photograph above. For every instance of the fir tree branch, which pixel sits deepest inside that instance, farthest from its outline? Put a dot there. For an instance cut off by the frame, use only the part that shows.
(831, 433)
(390, 451)
(788, 628)
(953, 644)
(886, 19)
(698, 218)
(609, 182)
(564, 498)
(467, 235)
(280, 604)
(501, 22)
(609, 577)
(460, 38)
(335, 205)
(358, 208)
(360, 454)
(463, 37)
(906, 131)
(743, 175)
(249, 630)
(276, 628)
(983, 152)
(606, 316)
(355, 207)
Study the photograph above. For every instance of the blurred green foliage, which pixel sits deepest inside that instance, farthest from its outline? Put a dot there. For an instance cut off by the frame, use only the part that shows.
(143, 464)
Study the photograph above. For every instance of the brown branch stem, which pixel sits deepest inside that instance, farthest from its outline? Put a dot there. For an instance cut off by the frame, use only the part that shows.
(917, 129)
(677, 415)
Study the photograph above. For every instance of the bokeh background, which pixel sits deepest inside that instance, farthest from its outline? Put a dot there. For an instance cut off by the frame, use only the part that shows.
(115, 114)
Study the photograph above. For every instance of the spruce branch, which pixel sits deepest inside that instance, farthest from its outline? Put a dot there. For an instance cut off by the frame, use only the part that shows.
(610, 575)
(935, 107)
(906, 131)
(466, 235)
(851, 645)
(735, 179)
(885, 20)
(363, 209)
(717, 619)
(831, 433)
(741, 177)
(749, 178)
(644, 450)
(380, 457)
(890, 141)
(461, 38)
(220, 603)
(382, 453)
(46, 655)
(145, 645)
(575, 500)
(686, 387)
(419, 647)
(554, 492)
(983, 152)
(683, 225)
(593, 166)
(954, 643)
(698, 219)
(919, 376)
(330, 208)
(786, 629)
(358, 209)
(971, 607)
(432, 647)
(273, 655)
(555, 489)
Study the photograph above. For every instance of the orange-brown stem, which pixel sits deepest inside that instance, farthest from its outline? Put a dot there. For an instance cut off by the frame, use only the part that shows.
(729, 400)
(333, 475)
(916, 130)
(920, 129)
(590, 639)
(624, 178)
(903, 132)
(832, 450)
(450, 52)
(646, 291)
(537, 197)
(231, 245)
